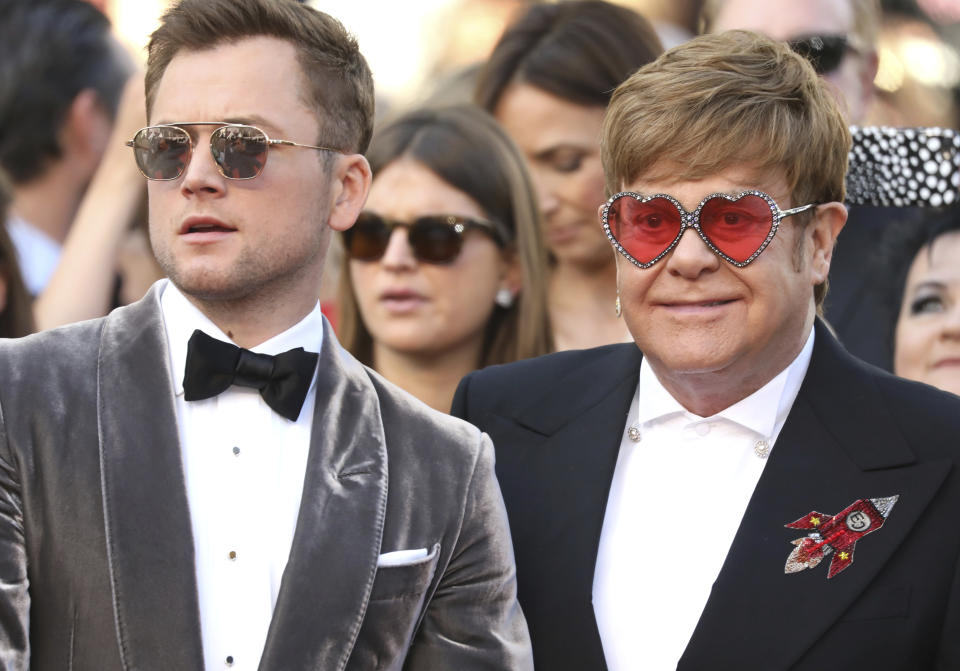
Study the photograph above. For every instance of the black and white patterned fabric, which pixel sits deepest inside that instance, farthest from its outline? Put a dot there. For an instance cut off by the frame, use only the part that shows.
(903, 167)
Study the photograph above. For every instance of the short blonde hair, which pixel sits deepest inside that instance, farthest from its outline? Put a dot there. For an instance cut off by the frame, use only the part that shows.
(734, 98)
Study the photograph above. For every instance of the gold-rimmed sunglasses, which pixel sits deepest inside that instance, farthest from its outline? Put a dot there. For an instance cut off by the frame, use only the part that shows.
(240, 151)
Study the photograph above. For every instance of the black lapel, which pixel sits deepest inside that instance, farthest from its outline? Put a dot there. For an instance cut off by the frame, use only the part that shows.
(837, 446)
(149, 538)
(333, 560)
(555, 471)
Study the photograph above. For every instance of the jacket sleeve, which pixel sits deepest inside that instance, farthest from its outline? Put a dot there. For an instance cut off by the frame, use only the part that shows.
(14, 596)
(474, 620)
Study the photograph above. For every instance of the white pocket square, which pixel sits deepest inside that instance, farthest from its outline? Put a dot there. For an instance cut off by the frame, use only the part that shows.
(401, 557)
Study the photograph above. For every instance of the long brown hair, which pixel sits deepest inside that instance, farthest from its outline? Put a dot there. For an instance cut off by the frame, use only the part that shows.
(464, 146)
(16, 317)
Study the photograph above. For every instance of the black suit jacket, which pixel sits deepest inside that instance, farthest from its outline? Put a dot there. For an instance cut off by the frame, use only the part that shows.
(853, 432)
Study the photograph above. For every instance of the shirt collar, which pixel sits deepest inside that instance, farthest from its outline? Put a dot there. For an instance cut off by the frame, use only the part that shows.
(764, 411)
(181, 318)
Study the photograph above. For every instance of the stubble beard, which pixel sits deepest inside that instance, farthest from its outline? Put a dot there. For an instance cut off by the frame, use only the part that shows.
(255, 277)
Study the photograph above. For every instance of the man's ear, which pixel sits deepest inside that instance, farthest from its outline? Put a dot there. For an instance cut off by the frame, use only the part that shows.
(352, 176)
(829, 219)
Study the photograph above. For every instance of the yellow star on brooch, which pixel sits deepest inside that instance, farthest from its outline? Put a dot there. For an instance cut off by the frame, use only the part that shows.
(815, 521)
(844, 556)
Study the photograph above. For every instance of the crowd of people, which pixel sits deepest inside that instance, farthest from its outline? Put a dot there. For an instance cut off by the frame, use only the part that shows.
(192, 387)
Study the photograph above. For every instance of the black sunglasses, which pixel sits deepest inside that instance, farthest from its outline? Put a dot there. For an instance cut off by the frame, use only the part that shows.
(240, 151)
(825, 52)
(434, 238)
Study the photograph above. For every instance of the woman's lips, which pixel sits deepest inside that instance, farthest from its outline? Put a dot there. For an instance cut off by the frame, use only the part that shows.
(402, 301)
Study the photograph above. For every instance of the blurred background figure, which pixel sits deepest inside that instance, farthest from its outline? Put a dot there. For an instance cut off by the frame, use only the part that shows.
(446, 267)
(918, 78)
(921, 264)
(61, 77)
(106, 259)
(548, 82)
(16, 319)
(837, 36)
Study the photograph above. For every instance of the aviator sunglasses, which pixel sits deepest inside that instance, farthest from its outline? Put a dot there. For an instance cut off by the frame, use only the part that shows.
(240, 151)
(825, 52)
(433, 238)
(737, 228)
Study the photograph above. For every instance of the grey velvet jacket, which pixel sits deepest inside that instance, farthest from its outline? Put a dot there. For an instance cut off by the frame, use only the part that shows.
(96, 548)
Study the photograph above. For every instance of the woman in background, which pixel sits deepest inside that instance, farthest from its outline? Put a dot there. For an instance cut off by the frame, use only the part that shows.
(16, 316)
(445, 268)
(926, 264)
(548, 81)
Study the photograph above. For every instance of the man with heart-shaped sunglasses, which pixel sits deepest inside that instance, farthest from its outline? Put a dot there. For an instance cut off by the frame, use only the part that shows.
(649, 485)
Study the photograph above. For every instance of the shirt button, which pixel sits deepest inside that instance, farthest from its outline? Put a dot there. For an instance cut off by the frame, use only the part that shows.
(229, 660)
(232, 555)
(236, 451)
(702, 429)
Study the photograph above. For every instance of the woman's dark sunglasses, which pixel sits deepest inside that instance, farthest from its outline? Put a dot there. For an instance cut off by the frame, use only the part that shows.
(825, 52)
(434, 238)
(240, 151)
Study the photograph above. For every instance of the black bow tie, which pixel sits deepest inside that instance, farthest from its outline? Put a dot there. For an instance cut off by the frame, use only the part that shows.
(214, 365)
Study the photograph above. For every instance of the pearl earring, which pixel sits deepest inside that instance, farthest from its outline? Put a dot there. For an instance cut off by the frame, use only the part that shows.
(504, 298)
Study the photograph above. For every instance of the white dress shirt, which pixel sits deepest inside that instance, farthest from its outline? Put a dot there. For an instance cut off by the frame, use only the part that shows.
(244, 466)
(676, 500)
(37, 253)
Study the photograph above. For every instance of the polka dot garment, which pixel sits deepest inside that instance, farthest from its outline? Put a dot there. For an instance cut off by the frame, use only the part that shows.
(903, 167)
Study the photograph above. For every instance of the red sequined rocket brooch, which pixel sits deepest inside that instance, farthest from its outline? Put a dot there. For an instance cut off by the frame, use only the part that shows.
(836, 534)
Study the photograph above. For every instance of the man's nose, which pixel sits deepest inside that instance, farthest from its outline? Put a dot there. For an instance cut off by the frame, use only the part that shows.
(691, 257)
(202, 174)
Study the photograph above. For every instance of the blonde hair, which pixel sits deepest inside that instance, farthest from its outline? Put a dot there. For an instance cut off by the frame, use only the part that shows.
(734, 98)
(464, 146)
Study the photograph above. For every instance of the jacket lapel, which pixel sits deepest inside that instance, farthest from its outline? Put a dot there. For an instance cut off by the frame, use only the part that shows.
(835, 448)
(333, 559)
(564, 470)
(149, 539)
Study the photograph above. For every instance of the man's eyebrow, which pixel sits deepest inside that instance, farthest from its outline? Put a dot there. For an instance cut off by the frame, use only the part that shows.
(246, 120)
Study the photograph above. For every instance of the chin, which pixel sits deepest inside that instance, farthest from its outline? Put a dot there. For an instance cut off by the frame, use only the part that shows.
(208, 285)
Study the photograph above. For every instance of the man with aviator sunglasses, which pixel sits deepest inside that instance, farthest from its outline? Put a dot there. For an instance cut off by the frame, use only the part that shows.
(656, 490)
(205, 478)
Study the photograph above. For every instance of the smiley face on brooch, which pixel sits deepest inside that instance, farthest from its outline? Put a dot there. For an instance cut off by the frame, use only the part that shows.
(836, 534)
